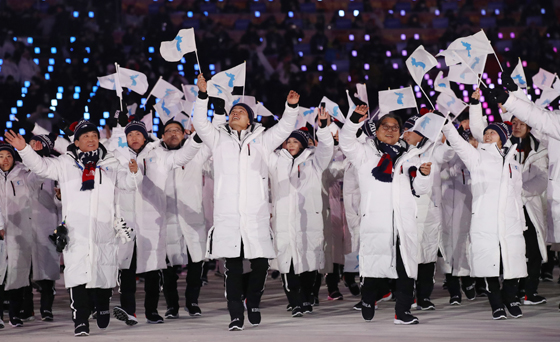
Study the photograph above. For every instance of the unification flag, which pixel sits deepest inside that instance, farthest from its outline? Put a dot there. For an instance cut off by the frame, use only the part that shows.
(148, 120)
(167, 109)
(462, 74)
(518, 75)
(163, 89)
(119, 146)
(470, 46)
(191, 92)
(174, 50)
(450, 104)
(333, 109)
(548, 95)
(246, 99)
(309, 114)
(221, 85)
(419, 63)
(361, 93)
(262, 110)
(442, 85)
(111, 82)
(133, 80)
(429, 125)
(543, 79)
(395, 99)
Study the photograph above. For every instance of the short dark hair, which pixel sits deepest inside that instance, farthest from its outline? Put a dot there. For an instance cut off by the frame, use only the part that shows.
(390, 116)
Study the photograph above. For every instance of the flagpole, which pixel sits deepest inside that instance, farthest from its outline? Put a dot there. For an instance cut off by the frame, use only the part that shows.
(420, 86)
(244, 62)
(119, 78)
(441, 128)
(199, 68)
(494, 52)
(468, 66)
(151, 91)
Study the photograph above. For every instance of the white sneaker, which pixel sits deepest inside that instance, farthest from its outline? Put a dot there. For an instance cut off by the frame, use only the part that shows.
(122, 315)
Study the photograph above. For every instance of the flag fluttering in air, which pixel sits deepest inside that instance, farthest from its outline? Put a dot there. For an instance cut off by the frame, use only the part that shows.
(133, 80)
(419, 63)
(333, 109)
(396, 99)
(163, 89)
(429, 125)
(543, 79)
(518, 75)
(442, 85)
(448, 103)
(183, 43)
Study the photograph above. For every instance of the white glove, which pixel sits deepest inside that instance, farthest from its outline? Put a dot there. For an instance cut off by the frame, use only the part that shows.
(122, 231)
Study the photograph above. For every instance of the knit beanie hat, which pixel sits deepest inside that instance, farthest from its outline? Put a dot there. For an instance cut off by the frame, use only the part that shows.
(47, 141)
(136, 125)
(369, 128)
(248, 109)
(300, 136)
(503, 128)
(408, 124)
(9, 148)
(82, 127)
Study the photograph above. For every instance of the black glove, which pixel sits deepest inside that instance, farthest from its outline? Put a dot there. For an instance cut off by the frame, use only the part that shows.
(323, 123)
(140, 113)
(66, 127)
(197, 138)
(219, 105)
(473, 101)
(122, 117)
(60, 237)
(508, 82)
(496, 96)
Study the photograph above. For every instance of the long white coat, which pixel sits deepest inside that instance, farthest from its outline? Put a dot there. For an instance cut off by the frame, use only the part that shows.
(91, 254)
(44, 219)
(297, 219)
(456, 217)
(547, 123)
(351, 199)
(388, 209)
(144, 208)
(15, 194)
(241, 199)
(498, 220)
(186, 224)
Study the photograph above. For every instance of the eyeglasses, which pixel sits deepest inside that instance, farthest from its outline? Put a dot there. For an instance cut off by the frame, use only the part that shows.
(392, 128)
(173, 131)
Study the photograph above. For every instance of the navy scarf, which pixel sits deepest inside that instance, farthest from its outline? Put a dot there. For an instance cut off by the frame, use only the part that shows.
(383, 172)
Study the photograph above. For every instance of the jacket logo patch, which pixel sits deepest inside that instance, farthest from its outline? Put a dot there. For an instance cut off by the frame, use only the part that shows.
(18, 183)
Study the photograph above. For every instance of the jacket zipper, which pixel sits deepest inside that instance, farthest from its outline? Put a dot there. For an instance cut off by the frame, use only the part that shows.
(100, 176)
(510, 176)
(145, 168)
(211, 238)
(249, 149)
(13, 187)
(463, 171)
(298, 171)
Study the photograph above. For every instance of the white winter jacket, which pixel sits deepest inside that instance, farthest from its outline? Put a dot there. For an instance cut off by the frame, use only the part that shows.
(91, 254)
(241, 205)
(297, 219)
(497, 211)
(351, 199)
(388, 209)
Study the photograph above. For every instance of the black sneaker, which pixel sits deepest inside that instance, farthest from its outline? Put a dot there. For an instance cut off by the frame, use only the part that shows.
(289, 307)
(307, 308)
(358, 307)
(535, 299)
(2, 326)
(47, 316)
(16, 322)
(405, 318)
(315, 301)
(81, 329)
(172, 313)
(499, 314)
(336, 295)
(354, 289)
(122, 315)
(154, 318)
(236, 324)
(254, 316)
(193, 309)
(297, 311)
(470, 292)
(368, 311)
(455, 300)
(275, 274)
(103, 318)
(26, 316)
(546, 277)
(514, 309)
(425, 305)
(481, 292)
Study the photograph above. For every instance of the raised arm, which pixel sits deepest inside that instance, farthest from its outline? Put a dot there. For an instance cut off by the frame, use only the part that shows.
(468, 154)
(538, 118)
(325, 147)
(349, 144)
(476, 121)
(43, 167)
(275, 136)
(204, 128)
(185, 154)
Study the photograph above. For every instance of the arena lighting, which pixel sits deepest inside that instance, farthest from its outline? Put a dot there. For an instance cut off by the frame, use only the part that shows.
(497, 11)
(19, 103)
(21, 131)
(403, 13)
(500, 35)
(12, 117)
(403, 36)
(366, 66)
(90, 14)
(404, 53)
(300, 53)
(156, 121)
(524, 63)
(356, 13)
(354, 53)
(461, 87)
(190, 14)
(491, 118)
(8, 124)
(50, 68)
(58, 96)
(76, 14)
(290, 14)
(77, 89)
(484, 105)
(366, 77)
(388, 53)
(366, 37)
(432, 93)
(257, 14)
(483, 12)
(86, 60)
(390, 11)
(341, 13)
(418, 95)
(37, 50)
(482, 98)
(86, 116)
(212, 67)
(88, 50)
(333, 66)
(466, 99)
(30, 40)
(484, 75)
(491, 85)
(351, 37)
(72, 39)
(416, 36)
(395, 66)
(26, 84)
(196, 67)
(68, 60)
(76, 96)
(320, 78)
(151, 49)
(537, 91)
(437, 12)
(465, 93)
(61, 89)
(24, 90)
(512, 35)
(51, 61)
(488, 111)
(543, 11)
(416, 88)
(180, 67)
(303, 68)
(205, 13)
(102, 122)
(105, 115)
(320, 67)
(349, 78)
(430, 82)
(47, 76)
(426, 77)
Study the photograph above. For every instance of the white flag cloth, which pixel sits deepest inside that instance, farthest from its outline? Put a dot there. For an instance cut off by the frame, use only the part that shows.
(132, 109)
(470, 46)
(164, 89)
(133, 80)
(429, 125)
(216, 90)
(548, 95)
(300, 122)
(309, 114)
(225, 81)
(419, 63)
(167, 109)
(351, 104)
(450, 104)
(187, 106)
(543, 79)
(395, 99)
(183, 119)
(191, 92)
(442, 85)
(333, 109)
(556, 84)
(361, 92)
(148, 119)
(174, 50)
(111, 82)
(248, 100)
(518, 75)
(477, 63)
(462, 74)
(262, 110)
(450, 57)
(119, 146)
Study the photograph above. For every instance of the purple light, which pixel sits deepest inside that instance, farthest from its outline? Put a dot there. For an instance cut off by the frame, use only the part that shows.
(320, 67)
(320, 78)
(403, 13)
(349, 78)
(439, 65)
(426, 77)
(395, 66)
(508, 65)
(333, 66)
(512, 35)
(465, 93)
(466, 99)
(430, 82)
(488, 111)
(404, 53)
(366, 77)
(418, 94)
(506, 49)
(524, 63)
(432, 93)
(351, 37)
(437, 12)
(366, 37)
(416, 88)
(490, 118)
(461, 87)
(303, 68)
(537, 91)
(354, 53)
(484, 105)
(484, 76)
(403, 36)
(366, 66)
(555, 49)
(500, 35)
(482, 99)
(388, 53)
(416, 36)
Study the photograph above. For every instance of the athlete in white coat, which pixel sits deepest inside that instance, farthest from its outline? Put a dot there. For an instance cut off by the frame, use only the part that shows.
(145, 211)
(240, 151)
(497, 243)
(390, 173)
(186, 225)
(87, 175)
(297, 221)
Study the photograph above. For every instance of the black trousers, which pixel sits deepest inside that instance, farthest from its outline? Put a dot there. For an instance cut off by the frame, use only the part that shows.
(332, 279)
(194, 283)
(374, 289)
(454, 284)
(234, 284)
(47, 291)
(15, 297)
(425, 281)
(80, 302)
(299, 287)
(497, 297)
(152, 285)
(534, 258)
